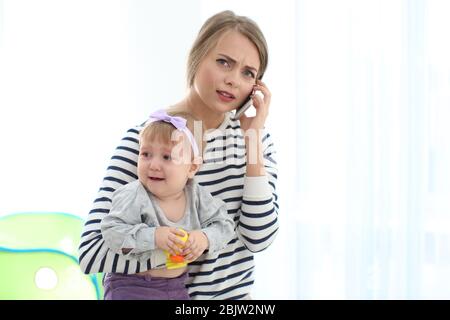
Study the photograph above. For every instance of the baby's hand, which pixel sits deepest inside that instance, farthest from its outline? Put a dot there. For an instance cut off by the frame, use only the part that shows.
(166, 238)
(196, 244)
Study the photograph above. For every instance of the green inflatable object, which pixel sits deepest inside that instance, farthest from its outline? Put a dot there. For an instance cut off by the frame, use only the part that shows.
(43, 275)
(39, 258)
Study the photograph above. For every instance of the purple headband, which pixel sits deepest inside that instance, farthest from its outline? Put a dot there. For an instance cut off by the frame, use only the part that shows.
(177, 122)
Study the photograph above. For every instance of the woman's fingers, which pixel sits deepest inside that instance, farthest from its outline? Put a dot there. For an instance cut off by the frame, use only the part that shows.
(257, 101)
(261, 86)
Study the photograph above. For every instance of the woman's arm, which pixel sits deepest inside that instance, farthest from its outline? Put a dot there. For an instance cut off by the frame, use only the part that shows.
(258, 221)
(94, 255)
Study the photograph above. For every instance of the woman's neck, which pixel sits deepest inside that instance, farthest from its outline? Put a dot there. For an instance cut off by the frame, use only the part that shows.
(194, 105)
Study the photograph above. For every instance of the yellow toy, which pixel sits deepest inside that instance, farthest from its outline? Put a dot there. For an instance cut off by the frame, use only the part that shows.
(177, 261)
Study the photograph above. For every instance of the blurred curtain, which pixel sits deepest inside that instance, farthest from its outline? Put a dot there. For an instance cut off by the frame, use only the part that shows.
(372, 196)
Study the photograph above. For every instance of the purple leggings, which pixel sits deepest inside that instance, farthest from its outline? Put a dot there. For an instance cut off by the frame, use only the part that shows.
(136, 287)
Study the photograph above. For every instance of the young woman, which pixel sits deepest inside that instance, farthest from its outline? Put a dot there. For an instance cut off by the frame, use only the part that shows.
(225, 66)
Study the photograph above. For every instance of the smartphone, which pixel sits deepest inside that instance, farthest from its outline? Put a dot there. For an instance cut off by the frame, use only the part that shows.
(247, 104)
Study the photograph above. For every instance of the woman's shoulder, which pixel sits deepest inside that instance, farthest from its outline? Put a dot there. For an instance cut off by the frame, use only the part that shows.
(137, 128)
(132, 133)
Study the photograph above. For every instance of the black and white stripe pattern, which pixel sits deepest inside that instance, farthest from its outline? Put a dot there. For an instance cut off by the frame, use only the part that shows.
(252, 202)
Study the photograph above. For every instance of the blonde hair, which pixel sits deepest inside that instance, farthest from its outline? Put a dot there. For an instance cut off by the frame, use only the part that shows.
(163, 131)
(210, 33)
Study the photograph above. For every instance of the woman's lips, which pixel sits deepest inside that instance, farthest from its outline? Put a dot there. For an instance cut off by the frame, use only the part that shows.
(225, 96)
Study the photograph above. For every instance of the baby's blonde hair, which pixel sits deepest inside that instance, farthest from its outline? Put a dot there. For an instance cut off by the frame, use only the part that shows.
(162, 131)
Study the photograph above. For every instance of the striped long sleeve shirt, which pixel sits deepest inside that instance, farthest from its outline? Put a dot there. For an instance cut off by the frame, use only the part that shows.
(250, 201)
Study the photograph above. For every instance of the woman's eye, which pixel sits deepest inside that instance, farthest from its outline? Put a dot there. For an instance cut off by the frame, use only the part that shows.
(223, 62)
(250, 74)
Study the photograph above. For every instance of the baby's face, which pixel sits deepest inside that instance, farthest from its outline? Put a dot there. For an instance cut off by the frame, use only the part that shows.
(162, 169)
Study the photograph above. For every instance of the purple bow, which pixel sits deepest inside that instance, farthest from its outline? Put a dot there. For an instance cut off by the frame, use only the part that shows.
(161, 115)
(177, 122)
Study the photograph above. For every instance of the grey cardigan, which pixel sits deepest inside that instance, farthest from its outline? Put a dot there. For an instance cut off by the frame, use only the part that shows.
(135, 214)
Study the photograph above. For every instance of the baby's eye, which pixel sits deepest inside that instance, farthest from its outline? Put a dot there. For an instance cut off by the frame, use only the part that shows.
(167, 157)
(146, 155)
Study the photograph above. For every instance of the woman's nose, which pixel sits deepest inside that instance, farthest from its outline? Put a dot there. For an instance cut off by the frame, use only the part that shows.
(232, 79)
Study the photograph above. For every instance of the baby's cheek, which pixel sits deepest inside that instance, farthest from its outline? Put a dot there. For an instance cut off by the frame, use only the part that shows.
(140, 172)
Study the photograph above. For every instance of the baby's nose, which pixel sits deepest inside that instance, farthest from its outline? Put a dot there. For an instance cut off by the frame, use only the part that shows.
(155, 164)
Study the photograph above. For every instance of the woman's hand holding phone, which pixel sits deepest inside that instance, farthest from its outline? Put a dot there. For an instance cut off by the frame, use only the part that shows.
(244, 107)
(261, 104)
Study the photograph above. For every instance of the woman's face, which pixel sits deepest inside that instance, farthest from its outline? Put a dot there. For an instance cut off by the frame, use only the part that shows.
(226, 75)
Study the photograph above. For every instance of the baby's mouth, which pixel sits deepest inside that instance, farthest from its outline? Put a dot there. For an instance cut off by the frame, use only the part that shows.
(156, 179)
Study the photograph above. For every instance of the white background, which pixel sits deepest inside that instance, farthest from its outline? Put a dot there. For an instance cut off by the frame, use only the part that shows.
(359, 115)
